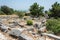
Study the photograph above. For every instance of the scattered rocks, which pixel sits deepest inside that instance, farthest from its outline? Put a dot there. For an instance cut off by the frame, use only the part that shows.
(2, 37)
(36, 26)
(21, 38)
(16, 32)
(26, 37)
(17, 27)
(43, 29)
(3, 28)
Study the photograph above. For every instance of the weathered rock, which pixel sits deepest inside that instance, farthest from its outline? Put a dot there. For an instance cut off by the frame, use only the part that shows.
(30, 29)
(43, 29)
(26, 37)
(37, 26)
(13, 24)
(21, 25)
(3, 28)
(51, 36)
(21, 38)
(16, 32)
(2, 37)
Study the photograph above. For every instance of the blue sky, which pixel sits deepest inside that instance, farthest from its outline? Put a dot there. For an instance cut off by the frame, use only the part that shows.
(25, 4)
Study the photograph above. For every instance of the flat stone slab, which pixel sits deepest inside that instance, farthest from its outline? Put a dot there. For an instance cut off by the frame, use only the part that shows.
(16, 32)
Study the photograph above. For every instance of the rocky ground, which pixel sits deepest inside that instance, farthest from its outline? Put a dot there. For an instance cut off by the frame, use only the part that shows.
(13, 28)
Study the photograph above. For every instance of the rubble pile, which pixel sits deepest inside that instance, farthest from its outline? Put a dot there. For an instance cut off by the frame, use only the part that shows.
(12, 25)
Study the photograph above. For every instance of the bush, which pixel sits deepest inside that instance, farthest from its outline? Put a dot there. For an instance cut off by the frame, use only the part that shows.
(29, 22)
(2, 13)
(50, 32)
(7, 10)
(20, 14)
(53, 25)
(36, 10)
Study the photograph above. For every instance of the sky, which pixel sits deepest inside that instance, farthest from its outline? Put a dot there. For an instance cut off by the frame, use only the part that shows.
(25, 4)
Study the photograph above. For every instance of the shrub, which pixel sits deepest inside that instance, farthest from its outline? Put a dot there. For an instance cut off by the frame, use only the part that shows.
(36, 10)
(2, 13)
(29, 22)
(7, 10)
(20, 14)
(53, 25)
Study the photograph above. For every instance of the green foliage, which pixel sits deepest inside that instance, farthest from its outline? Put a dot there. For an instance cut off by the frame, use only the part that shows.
(20, 13)
(55, 10)
(49, 13)
(7, 10)
(29, 22)
(35, 10)
(50, 32)
(2, 13)
(53, 25)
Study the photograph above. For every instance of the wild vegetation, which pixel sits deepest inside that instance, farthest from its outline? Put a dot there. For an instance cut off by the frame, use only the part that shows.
(36, 11)
(9, 11)
(29, 22)
(53, 25)
(54, 11)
